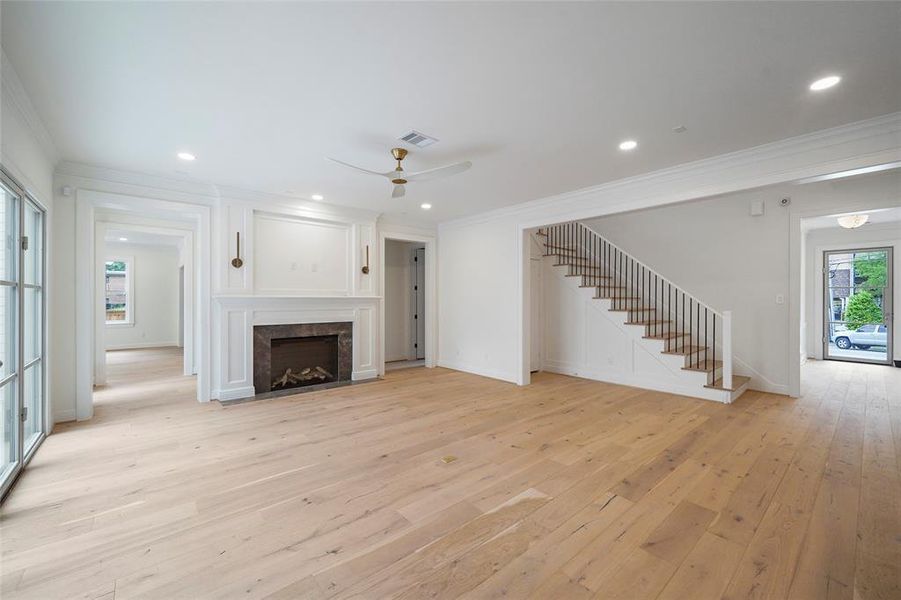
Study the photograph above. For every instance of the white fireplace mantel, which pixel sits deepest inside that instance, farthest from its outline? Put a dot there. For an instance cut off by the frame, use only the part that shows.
(236, 315)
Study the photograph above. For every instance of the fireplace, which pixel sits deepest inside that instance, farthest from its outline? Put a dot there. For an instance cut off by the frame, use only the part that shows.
(302, 355)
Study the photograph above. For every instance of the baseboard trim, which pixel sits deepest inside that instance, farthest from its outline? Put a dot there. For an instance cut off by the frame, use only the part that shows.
(63, 416)
(236, 393)
(143, 346)
(447, 364)
(365, 374)
(636, 381)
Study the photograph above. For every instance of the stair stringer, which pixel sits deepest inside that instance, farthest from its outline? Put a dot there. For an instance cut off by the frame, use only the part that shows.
(584, 338)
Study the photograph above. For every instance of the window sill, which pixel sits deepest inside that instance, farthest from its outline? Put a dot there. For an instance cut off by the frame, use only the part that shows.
(118, 324)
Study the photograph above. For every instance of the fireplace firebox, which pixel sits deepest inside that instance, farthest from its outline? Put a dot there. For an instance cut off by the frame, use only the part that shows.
(301, 355)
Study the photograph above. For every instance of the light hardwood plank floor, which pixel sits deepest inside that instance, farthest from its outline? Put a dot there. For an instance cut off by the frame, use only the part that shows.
(439, 484)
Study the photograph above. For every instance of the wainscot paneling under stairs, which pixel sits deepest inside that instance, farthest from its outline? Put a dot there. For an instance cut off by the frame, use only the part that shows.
(609, 317)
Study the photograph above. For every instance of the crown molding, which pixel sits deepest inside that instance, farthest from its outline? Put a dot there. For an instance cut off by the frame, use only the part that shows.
(199, 192)
(15, 96)
(308, 208)
(854, 145)
(161, 183)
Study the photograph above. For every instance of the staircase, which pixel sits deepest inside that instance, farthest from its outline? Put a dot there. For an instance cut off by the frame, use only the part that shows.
(691, 336)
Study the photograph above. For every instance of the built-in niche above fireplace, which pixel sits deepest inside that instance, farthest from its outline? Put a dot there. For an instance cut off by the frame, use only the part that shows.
(301, 355)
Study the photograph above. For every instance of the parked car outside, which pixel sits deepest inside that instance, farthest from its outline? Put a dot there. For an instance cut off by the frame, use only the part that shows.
(863, 337)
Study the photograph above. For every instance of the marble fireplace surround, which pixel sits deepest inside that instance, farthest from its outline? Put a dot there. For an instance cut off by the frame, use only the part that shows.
(262, 348)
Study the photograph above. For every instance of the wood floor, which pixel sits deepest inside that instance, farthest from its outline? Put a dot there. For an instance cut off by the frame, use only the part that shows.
(435, 483)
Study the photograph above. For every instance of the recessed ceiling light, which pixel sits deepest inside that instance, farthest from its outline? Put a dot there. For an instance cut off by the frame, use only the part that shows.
(186, 156)
(123, 239)
(425, 206)
(825, 83)
(317, 197)
(628, 145)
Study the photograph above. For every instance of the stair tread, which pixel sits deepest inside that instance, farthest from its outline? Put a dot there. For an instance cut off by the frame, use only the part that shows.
(686, 350)
(669, 335)
(647, 322)
(703, 367)
(634, 309)
(737, 382)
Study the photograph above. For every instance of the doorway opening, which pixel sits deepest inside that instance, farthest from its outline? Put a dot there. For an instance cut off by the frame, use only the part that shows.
(405, 304)
(145, 330)
(857, 302)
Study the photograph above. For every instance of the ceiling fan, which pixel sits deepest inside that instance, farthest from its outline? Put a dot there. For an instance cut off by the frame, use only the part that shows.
(400, 178)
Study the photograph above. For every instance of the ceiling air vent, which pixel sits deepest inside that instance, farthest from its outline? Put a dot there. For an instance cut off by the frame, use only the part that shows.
(420, 140)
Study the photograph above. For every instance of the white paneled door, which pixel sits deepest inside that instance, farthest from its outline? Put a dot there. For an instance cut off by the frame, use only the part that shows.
(22, 318)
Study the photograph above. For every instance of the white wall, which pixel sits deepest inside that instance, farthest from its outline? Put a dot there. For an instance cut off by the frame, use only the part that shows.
(477, 284)
(297, 256)
(733, 261)
(398, 299)
(155, 304)
(27, 152)
(815, 243)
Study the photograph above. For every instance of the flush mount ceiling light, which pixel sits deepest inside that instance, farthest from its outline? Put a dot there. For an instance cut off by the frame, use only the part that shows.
(121, 239)
(825, 83)
(186, 156)
(853, 221)
(317, 197)
(628, 145)
(425, 206)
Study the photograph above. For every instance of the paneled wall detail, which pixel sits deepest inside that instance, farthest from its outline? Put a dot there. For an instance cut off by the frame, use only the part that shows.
(582, 338)
(300, 266)
(295, 256)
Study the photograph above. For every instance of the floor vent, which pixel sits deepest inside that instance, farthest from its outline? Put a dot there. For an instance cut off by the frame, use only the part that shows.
(415, 138)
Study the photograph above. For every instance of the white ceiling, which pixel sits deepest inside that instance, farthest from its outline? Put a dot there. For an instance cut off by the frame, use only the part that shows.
(537, 95)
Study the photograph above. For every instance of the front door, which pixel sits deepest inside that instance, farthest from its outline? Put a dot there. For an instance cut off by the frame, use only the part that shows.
(858, 305)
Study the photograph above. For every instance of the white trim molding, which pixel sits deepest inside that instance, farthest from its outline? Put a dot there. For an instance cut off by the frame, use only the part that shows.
(855, 145)
(88, 235)
(236, 317)
(387, 232)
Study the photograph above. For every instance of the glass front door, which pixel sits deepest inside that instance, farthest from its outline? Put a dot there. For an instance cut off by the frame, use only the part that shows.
(22, 318)
(858, 305)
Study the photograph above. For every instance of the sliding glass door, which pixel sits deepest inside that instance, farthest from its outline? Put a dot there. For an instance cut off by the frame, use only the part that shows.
(22, 318)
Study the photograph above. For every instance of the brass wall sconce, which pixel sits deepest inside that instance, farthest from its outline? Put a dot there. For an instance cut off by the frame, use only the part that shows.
(365, 268)
(236, 261)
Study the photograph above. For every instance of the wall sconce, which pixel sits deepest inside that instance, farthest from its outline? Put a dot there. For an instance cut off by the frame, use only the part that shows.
(365, 268)
(236, 261)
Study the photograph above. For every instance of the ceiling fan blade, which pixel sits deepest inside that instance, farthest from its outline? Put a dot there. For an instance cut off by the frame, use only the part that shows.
(356, 168)
(439, 172)
(399, 191)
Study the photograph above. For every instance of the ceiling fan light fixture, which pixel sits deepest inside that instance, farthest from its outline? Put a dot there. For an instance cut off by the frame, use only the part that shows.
(853, 221)
(628, 145)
